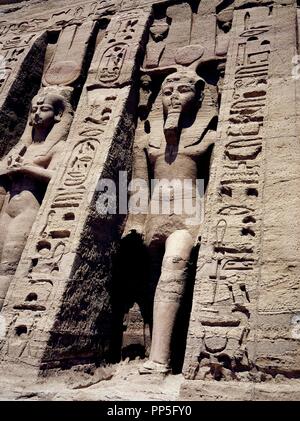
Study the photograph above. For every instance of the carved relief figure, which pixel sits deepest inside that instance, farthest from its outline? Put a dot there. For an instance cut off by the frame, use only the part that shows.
(158, 31)
(25, 174)
(181, 137)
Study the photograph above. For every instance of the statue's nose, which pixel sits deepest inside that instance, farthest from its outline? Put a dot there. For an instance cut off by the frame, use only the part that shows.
(175, 99)
(37, 116)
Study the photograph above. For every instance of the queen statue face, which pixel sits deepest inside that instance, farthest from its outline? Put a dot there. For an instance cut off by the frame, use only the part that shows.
(42, 113)
(45, 111)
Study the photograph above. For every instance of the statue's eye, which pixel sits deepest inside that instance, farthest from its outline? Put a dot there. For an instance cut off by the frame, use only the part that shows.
(184, 88)
(167, 92)
(34, 109)
(45, 108)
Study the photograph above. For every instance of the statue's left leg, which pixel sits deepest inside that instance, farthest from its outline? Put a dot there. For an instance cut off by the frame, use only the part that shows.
(168, 298)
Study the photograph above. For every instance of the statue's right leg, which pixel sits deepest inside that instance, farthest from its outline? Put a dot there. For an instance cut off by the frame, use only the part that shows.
(17, 232)
(3, 194)
(5, 221)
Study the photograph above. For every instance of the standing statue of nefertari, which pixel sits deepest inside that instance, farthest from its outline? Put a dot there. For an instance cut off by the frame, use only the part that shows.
(25, 173)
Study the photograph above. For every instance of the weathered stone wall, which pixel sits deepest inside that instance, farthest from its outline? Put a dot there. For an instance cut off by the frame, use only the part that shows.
(247, 283)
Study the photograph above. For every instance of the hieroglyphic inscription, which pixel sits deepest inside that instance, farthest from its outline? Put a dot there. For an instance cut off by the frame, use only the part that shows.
(58, 18)
(119, 46)
(229, 276)
(12, 51)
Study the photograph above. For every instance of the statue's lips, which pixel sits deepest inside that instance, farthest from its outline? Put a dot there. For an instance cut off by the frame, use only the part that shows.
(37, 123)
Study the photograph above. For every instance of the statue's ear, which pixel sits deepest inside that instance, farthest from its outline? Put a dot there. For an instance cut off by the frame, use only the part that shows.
(58, 116)
(200, 86)
(201, 97)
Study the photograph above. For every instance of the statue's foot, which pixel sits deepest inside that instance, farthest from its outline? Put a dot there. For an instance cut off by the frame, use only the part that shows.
(151, 367)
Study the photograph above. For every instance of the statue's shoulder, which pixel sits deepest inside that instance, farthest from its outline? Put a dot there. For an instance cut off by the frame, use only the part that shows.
(57, 147)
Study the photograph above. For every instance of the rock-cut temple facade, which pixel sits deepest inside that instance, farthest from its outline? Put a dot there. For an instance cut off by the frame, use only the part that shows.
(150, 199)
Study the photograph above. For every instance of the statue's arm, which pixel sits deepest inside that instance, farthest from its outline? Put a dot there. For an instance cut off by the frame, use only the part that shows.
(45, 174)
(38, 171)
(12, 159)
(140, 186)
(5, 162)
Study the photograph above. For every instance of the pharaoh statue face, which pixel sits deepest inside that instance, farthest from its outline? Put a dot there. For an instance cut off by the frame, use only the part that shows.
(179, 96)
(179, 92)
(46, 111)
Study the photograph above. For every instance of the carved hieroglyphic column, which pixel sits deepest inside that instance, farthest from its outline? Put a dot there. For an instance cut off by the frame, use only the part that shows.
(53, 306)
(247, 288)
